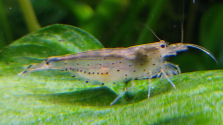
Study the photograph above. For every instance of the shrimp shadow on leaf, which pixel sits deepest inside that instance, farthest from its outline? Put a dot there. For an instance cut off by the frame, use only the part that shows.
(98, 96)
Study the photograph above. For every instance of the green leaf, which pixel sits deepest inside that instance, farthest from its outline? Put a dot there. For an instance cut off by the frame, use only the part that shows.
(50, 97)
(54, 40)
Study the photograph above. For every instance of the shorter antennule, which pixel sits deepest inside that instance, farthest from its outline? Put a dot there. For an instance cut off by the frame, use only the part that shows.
(202, 49)
(151, 31)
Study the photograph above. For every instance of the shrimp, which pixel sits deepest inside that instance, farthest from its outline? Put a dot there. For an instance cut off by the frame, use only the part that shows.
(114, 65)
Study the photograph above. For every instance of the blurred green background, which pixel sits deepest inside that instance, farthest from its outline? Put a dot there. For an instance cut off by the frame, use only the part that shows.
(121, 23)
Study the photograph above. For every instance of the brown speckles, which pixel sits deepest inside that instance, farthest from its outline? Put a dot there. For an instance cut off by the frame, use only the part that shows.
(64, 70)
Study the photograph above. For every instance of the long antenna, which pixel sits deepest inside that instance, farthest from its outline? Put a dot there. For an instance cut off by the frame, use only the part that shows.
(182, 24)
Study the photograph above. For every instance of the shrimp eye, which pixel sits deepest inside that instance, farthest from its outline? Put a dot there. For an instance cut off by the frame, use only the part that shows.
(162, 46)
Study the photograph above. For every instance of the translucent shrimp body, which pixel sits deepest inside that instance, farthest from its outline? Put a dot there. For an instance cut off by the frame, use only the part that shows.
(115, 65)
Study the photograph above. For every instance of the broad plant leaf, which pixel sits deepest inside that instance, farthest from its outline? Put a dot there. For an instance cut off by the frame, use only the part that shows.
(51, 97)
